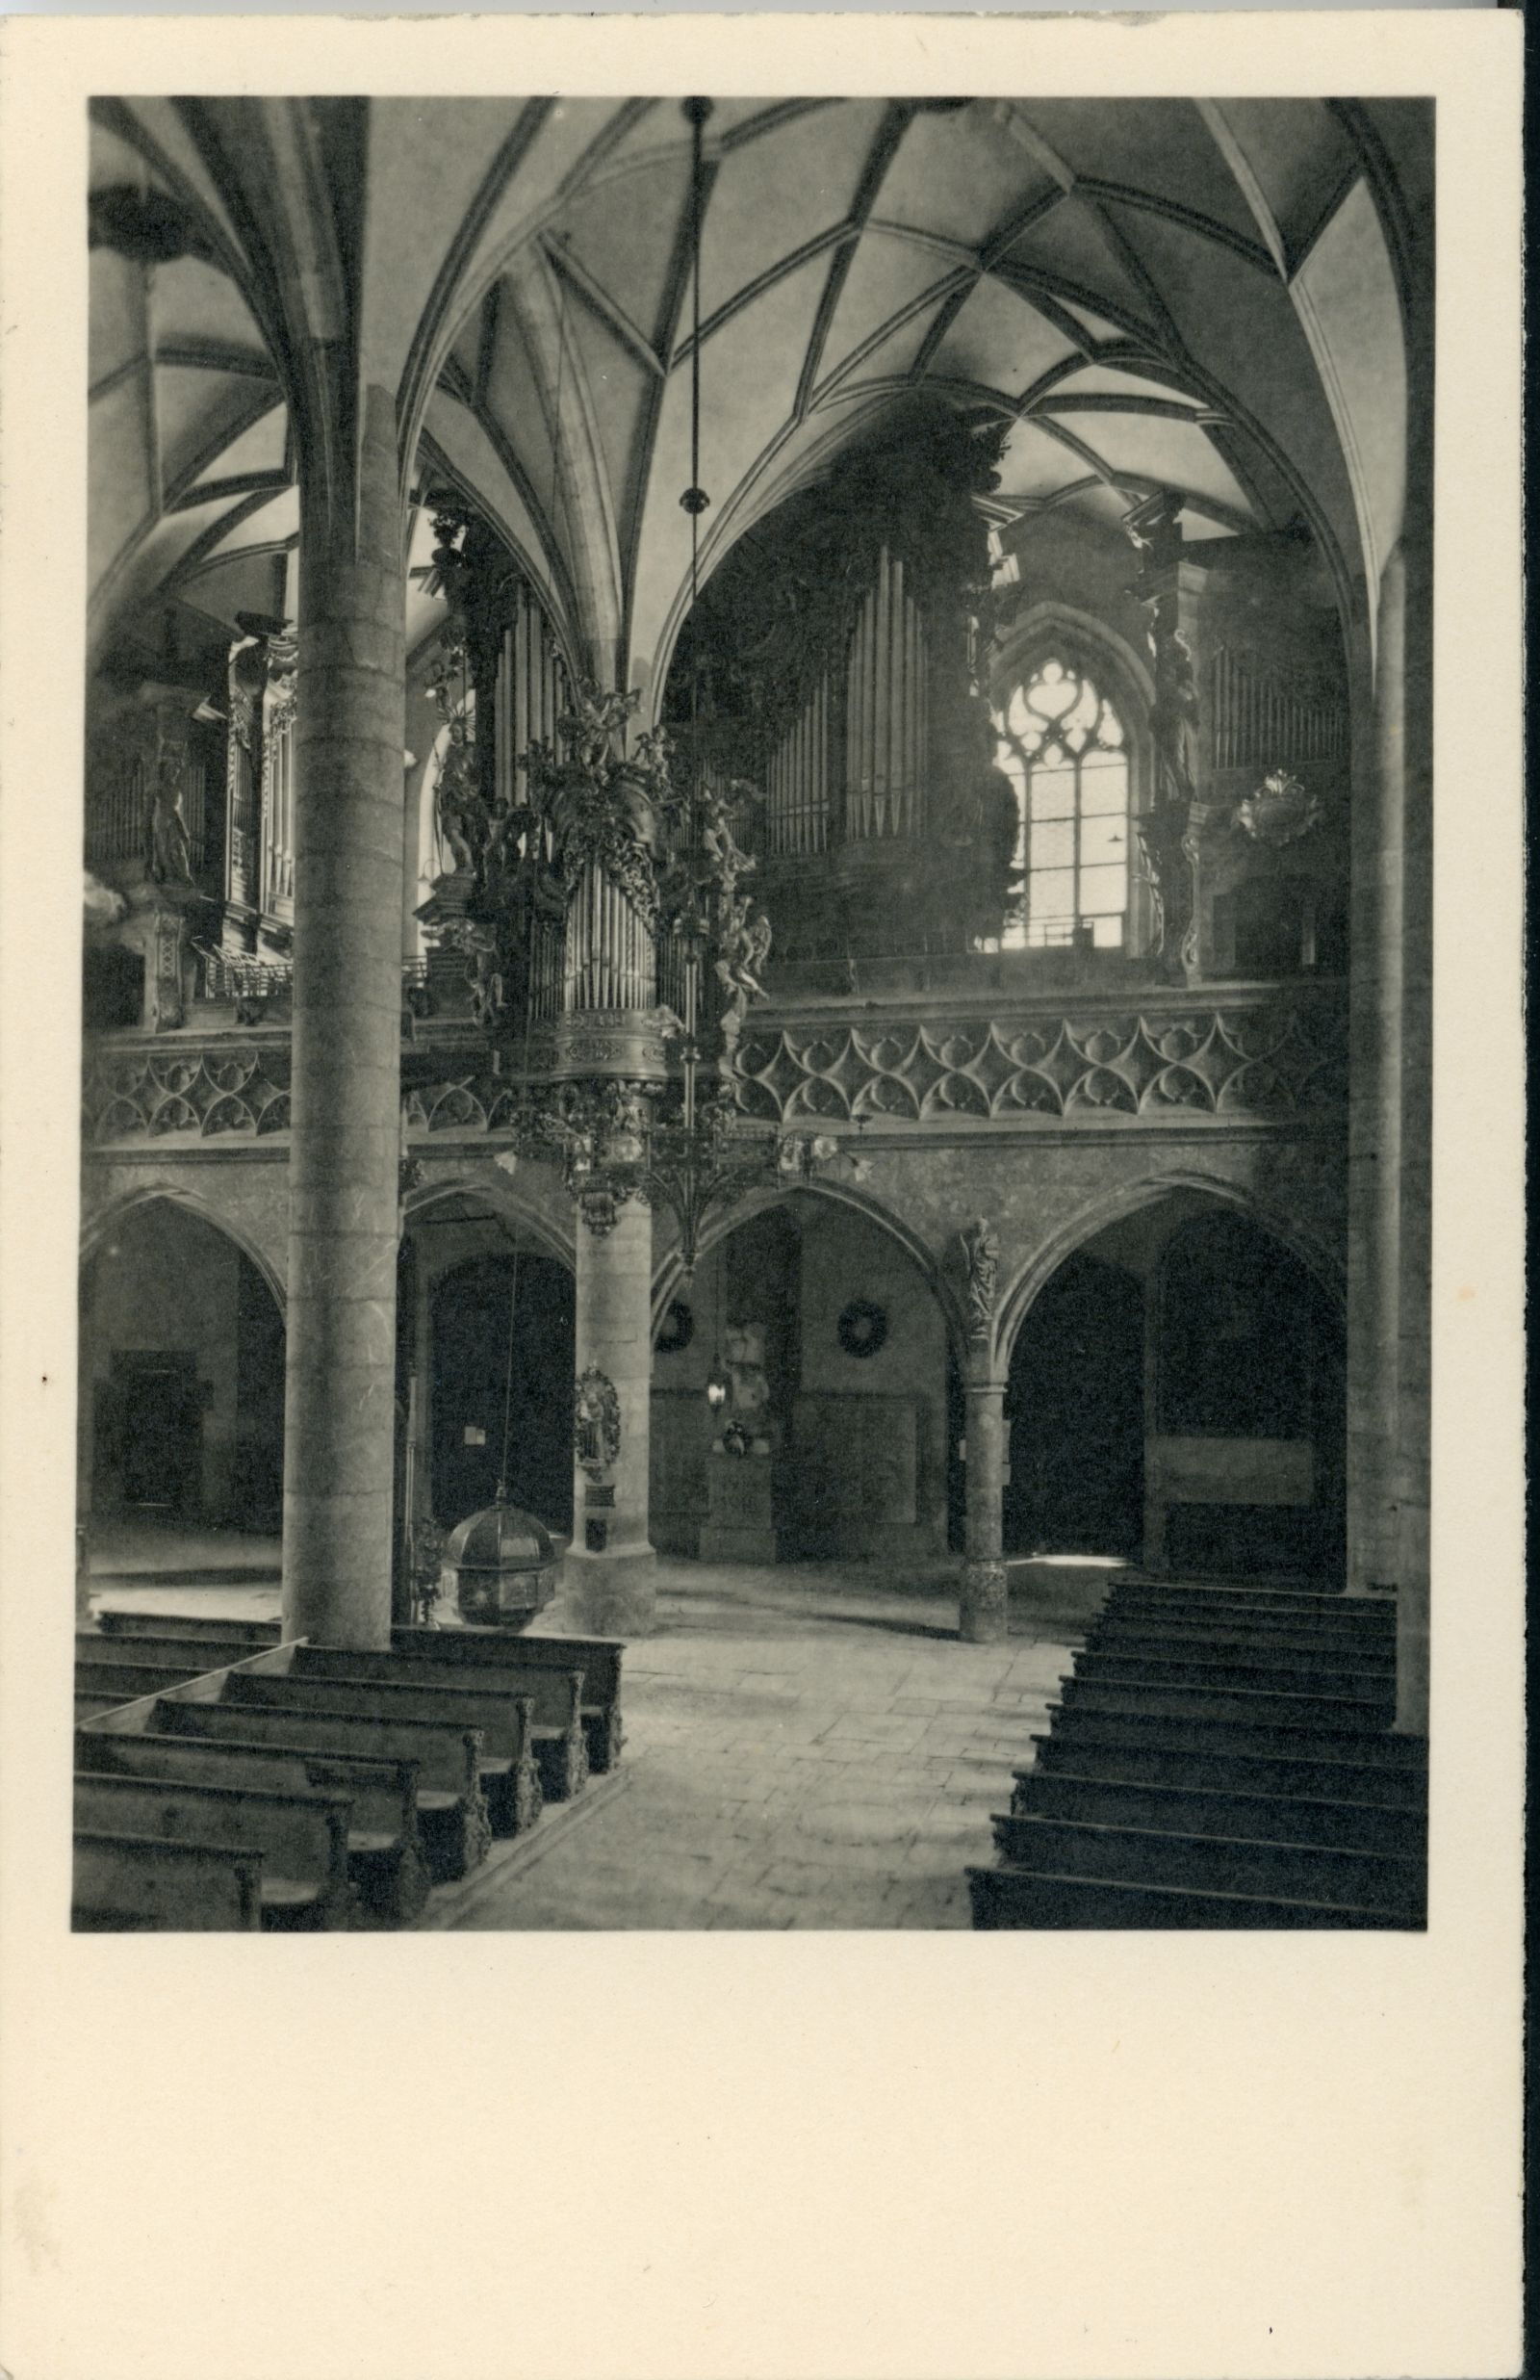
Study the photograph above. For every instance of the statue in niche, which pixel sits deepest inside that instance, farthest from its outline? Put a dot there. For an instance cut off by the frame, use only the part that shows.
(1173, 716)
(596, 1422)
(747, 1419)
(982, 1253)
(457, 805)
(171, 856)
(486, 986)
(984, 817)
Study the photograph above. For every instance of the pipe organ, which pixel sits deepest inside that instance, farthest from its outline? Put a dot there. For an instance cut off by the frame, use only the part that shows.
(119, 804)
(886, 711)
(1263, 720)
(797, 782)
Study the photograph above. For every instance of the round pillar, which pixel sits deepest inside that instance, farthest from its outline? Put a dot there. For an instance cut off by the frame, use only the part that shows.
(982, 1614)
(1374, 1126)
(342, 1168)
(608, 1580)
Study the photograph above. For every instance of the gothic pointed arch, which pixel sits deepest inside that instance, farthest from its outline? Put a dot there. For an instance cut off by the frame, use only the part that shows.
(1071, 700)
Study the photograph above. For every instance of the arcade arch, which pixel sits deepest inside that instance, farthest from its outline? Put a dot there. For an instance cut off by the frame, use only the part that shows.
(181, 1373)
(1175, 1395)
(856, 1335)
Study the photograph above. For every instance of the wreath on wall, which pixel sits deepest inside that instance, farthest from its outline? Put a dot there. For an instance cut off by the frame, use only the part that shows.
(676, 1330)
(863, 1327)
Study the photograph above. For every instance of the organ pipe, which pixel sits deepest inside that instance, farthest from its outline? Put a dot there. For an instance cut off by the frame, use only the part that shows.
(886, 713)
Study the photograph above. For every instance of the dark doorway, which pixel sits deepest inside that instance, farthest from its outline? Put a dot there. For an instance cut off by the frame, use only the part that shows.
(256, 1487)
(956, 1478)
(473, 1305)
(1075, 1406)
(1250, 1346)
(156, 1418)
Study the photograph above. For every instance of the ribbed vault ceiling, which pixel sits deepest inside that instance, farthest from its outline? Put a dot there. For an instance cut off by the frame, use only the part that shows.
(1155, 293)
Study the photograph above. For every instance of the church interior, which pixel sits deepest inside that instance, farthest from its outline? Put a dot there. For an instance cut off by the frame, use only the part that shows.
(757, 985)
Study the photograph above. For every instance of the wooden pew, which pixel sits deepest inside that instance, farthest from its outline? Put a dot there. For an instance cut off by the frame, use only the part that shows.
(127, 1681)
(509, 1771)
(451, 1807)
(92, 1706)
(169, 1650)
(555, 1698)
(597, 1657)
(254, 1634)
(385, 1860)
(302, 1837)
(126, 1883)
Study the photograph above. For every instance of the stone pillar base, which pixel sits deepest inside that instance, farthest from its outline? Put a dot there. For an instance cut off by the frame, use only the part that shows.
(982, 1603)
(604, 1595)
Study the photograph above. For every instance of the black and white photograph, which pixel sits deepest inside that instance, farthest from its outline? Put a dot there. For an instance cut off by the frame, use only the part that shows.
(761, 1208)
(756, 992)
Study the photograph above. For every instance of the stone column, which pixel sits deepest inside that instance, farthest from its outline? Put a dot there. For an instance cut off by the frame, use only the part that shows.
(342, 1168)
(982, 1612)
(1375, 1123)
(608, 1581)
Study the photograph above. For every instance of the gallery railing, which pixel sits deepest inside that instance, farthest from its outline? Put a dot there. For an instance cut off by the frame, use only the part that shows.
(1262, 1054)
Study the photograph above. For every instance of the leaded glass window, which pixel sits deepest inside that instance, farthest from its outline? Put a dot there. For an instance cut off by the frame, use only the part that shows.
(1062, 746)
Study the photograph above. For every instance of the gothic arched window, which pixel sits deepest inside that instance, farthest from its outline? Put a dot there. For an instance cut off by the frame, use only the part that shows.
(1062, 746)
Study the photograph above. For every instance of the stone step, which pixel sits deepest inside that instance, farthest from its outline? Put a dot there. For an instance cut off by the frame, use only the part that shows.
(1328, 1674)
(1114, 1722)
(1241, 1706)
(1022, 1899)
(1150, 1759)
(1280, 1645)
(1205, 1810)
(124, 1882)
(1209, 1863)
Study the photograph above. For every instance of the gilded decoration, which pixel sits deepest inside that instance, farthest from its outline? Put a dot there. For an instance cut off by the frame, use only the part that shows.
(1280, 811)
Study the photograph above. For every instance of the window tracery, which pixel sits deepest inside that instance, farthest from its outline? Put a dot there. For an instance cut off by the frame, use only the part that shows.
(1064, 749)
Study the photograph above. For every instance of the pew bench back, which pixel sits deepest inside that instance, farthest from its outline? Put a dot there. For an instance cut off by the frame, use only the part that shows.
(130, 1882)
(302, 1837)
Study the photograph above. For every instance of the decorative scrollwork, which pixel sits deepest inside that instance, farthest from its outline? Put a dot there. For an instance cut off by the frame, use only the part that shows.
(981, 1253)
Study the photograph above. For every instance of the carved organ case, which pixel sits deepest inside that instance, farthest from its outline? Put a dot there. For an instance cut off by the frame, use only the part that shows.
(838, 649)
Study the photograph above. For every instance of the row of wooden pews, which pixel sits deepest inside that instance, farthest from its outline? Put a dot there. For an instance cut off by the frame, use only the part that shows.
(226, 1778)
(1218, 1757)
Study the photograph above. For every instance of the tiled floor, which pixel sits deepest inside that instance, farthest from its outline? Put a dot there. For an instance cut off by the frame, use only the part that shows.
(806, 1746)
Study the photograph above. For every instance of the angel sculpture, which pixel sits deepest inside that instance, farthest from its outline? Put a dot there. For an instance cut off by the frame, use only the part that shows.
(745, 946)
